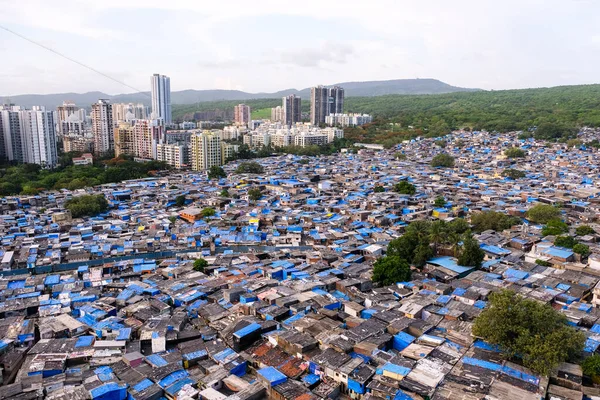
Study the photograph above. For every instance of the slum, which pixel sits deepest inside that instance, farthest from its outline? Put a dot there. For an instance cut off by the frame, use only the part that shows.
(112, 307)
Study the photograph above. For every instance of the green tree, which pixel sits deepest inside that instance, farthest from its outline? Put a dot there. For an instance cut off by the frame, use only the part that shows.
(440, 201)
(555, 227)
(400, 156)
(378, 189)
(514, 152)
(251, 167)
(200, 264)
(581, 249)
(224, 193)
(208, 212)
(180, 200)
(542, 213)
(303, 161)
(543, 263)
(87, 205)
(216, 172)
(532, 330)
(591, 367)
(443, 160)
(254, 194)
(405, 187)
(437, 234)
(565, 241)
(172, 219)
(471, 254)
(441, 143)
(458, 225)
(554, 131)
(404, 246)
(389, 270)
(574, 143)
(423, 252)
(583, 230)
(492, 220)
(513, 173)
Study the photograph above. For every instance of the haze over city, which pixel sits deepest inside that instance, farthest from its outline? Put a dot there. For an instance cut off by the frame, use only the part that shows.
(274, 45)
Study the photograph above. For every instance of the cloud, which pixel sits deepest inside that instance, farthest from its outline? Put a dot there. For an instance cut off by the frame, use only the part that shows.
(221, 64)
(328, 53)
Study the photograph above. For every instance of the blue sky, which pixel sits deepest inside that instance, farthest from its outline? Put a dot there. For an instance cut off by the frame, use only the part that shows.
(267, 45)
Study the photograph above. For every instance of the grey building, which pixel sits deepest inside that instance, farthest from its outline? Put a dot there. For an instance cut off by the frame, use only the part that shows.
(292, 109)
(325, 101)
(161, 98)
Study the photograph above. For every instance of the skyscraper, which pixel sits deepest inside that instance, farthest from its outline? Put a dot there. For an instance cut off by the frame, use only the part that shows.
(124, 143)
(277, 114)
(292, 109)
(102, 127)
(325, 101)
(39, 137)
(63, 113)
(161, 98)
(241, 114)
(205, 150)
(28, 136)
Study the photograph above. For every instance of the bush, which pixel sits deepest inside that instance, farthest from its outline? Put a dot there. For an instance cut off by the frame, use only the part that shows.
(543, 263)
(378, 189)
(555, 227)
(514, 152)
(208, 212)
(591, 367)
(471, 254)
(443, 160)
(583, 230)
(391, 269)
(542, 213)
(581, 249)
(224, 193)
(254, 194)
(180, 201)
(200, 265)
(216, 172)
(405, 187)
(513, 173)
(87, 205)
(486, 220)
(565, 241)
(440, 201)
(251, 167)
(528, 329)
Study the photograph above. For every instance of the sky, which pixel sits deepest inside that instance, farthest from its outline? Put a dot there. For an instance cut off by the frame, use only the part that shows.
(268, 45)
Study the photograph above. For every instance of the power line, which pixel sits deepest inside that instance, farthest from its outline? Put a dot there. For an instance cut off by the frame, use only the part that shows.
(72, 60)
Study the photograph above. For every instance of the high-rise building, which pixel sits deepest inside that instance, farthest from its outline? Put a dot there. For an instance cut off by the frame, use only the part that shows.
(277, 114)
(127, 112)
(292, 109)
(124, 143)
(161, 98)
(176, 155)
(241, 114)
(28, 136)
(10, 129)
(39, 137)
(205, 150)
(325, 101)
(64, 113)
(102, 127)
(145, 139)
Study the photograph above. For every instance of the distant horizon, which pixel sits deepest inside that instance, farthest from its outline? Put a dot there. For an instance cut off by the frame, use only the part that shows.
(2, 96)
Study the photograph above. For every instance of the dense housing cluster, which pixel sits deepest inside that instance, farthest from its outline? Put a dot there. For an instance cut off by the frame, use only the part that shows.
(114, 306)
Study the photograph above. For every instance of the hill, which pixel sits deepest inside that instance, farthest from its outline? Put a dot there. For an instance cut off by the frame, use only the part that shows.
(368, 88)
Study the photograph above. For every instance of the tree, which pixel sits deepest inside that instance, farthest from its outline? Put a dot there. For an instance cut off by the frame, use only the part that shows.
(554, 131)
(437, 234)
(303, 161)
(200, 264)
(254, 194)
(87, 205)
(405, 187)
(391, 269)
(583, 230)
(574, 143)
(378, 189)
(440, 201)
(224, 193)
(529, 329)
(513, 173)
(543, 263)
(400, 156)
(514, 152)
(208, 212)
(216, 172)
(471, 254)
(172, 219)
(443, 160)
(441, 143)
(458, 225)
(404, 246)
(565, 241)
(542, 213)
(581, 249)
(423, 252)
(251, 167)
(180, 201)
(486, 220)
(555, 227)
(591, 367)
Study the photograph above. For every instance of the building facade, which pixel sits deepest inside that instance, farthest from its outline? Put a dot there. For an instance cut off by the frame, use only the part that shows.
(124, 143)
(67, 112)
(345, 120)
(205, 150)
(292, 109)
(10, 129)
(76, 143)
(161, 98)
(325, 101)
(277, 114)
(241, 114)
(176, 155)
(102, 127)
